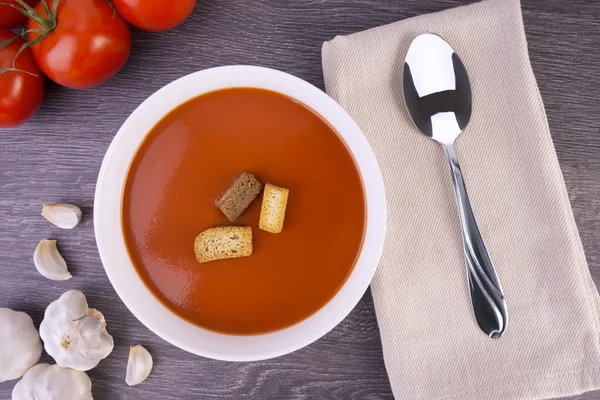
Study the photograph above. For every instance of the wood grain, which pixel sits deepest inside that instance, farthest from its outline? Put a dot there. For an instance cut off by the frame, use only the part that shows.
(57, 155)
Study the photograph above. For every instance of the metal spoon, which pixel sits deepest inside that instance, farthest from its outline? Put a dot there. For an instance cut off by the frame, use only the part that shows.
(438, 97)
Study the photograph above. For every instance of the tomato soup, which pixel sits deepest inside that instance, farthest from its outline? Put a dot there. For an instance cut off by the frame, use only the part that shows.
(190, 157)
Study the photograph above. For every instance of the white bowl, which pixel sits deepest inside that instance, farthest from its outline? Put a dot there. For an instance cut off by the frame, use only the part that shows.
(111, 242)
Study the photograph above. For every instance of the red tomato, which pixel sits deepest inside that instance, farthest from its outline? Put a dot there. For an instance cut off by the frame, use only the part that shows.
(155, 15)
(11, 18)
(89, 44)
(21, 94)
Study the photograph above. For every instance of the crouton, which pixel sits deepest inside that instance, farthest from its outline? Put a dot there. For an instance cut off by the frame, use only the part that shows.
(272, 213)
(234, 201)
(224, 242)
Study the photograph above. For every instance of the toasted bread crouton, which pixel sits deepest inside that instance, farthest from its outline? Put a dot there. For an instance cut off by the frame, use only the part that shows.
(234, 201)
(224, 242)
(272, 212)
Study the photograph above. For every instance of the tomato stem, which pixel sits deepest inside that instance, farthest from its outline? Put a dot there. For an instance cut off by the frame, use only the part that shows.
(26, 45)
(112, 6)
(48, 23)
(3, 70)
(8, 41)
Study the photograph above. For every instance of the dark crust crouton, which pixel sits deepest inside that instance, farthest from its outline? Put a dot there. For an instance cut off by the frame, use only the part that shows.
(239, 195)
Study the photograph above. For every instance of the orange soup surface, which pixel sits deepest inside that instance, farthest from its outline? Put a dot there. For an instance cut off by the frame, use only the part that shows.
(190, 157)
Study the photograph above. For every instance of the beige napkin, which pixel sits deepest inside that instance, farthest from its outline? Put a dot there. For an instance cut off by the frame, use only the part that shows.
(431, 344)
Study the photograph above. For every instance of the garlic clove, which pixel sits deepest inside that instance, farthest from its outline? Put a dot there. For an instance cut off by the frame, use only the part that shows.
(49, 262)
(138, 366)
(52, 382)
(65, 216)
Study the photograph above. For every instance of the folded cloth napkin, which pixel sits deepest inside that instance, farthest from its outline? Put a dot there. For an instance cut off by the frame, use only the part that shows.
(432, 346)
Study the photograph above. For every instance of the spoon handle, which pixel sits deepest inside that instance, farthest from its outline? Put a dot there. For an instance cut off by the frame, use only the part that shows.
(487, 298)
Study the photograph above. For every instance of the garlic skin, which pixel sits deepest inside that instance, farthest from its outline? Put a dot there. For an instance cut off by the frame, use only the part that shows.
(65, 216)
(139, 365)
(51, 382)
(49, 262)
(73, 334)
(20, 345)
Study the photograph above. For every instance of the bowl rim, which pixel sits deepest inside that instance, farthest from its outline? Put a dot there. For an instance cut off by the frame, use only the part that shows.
(121, 271)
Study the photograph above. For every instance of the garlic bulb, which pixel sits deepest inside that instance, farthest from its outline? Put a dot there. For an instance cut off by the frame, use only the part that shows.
(65, 216)
(20, 345)
(51, 382)
(138, 366)
(49, 262)
(73, 334)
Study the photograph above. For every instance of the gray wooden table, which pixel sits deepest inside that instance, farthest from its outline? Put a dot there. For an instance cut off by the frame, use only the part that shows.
(57, 155)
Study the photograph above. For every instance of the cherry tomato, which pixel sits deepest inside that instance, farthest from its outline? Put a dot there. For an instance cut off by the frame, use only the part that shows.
(11, 18)
(155, 15)
(89, 44)
(21, 94)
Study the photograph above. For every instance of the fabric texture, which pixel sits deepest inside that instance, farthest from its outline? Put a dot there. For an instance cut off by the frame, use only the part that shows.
(432, 346)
